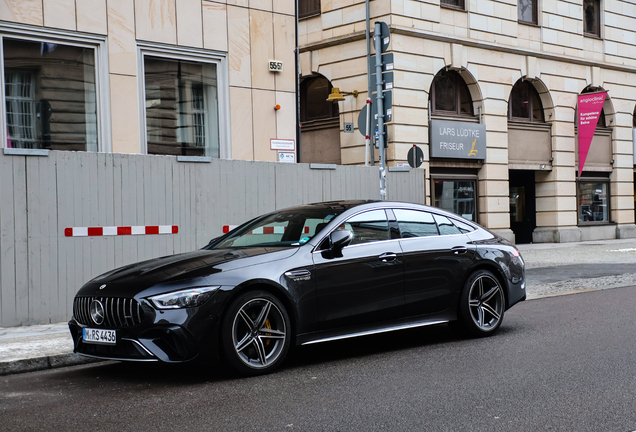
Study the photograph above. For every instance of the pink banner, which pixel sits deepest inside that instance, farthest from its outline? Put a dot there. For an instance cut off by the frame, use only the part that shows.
(589, 110)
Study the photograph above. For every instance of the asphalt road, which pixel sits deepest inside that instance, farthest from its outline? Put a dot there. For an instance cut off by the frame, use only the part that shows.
(564, 363)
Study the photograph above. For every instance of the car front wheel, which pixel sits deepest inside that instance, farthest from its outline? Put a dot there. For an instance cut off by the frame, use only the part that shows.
(256, 333)
(481, 304)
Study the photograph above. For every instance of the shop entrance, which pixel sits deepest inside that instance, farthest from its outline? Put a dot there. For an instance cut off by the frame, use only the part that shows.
(523, 211)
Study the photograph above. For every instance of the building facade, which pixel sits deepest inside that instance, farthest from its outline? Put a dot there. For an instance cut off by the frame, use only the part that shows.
(167, 77)
(488, 90)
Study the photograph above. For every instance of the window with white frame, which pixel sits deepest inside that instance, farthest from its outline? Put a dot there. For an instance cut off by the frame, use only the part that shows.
(50, 94)
(181, 107)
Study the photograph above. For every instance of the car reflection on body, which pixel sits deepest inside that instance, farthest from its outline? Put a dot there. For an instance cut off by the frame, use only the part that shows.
(302, 275)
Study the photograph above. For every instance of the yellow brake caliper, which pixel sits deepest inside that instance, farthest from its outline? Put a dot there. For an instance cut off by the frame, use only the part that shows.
(269, 326)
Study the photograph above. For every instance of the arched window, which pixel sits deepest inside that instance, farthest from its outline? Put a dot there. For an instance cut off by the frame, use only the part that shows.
(450, 95)
(314, 92)
(320, 123)
(525, 104)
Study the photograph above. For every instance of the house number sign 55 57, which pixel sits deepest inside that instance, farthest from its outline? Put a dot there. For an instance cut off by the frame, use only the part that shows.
(275, 66)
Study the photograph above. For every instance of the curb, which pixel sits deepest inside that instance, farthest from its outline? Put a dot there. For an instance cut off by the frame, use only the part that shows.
(44, 363)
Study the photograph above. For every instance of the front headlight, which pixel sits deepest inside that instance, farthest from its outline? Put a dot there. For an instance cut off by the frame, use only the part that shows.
(182, 299)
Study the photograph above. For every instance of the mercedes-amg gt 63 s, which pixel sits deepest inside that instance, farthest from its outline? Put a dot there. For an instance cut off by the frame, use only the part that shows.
(302, 275)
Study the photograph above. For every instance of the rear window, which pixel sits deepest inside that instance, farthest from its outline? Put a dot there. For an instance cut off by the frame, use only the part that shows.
(445, 226)
(463, 227)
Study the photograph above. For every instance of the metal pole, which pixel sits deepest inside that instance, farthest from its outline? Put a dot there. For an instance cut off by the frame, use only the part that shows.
(367, 139)
(377, 39)
(297, 86)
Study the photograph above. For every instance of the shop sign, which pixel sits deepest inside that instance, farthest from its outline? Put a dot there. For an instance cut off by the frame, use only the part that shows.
(589, 110)
(457, 140)
(282, 144)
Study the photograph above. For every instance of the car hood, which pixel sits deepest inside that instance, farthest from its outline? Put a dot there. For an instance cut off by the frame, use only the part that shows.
(188, 265)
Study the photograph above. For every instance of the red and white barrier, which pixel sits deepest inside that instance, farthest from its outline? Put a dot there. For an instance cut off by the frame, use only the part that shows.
(120, 230)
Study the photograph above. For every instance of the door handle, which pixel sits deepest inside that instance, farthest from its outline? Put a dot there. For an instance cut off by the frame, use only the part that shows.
(386, 257)
(459, 250)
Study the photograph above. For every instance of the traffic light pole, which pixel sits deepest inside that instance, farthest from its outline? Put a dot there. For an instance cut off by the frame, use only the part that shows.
(377, 40)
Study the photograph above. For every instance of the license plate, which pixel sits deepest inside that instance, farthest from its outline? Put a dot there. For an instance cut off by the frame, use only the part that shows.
(100, 336)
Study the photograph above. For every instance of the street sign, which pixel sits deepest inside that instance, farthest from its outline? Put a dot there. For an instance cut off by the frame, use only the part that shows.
(388, 80)
(387, 63)
(385, 35)
(415, 156)
(388, 105)
(362, 121)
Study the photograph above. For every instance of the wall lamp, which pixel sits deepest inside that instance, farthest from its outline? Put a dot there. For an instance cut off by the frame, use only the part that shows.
(336, 95)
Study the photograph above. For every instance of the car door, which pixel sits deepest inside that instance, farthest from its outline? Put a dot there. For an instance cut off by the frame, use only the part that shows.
(436, 259)
(364, 283)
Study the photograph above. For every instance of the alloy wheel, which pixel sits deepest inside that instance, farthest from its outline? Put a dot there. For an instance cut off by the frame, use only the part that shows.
(259, 333)
(485, 302)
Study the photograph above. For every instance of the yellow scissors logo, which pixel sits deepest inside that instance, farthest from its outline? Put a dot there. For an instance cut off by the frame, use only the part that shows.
(473, 151)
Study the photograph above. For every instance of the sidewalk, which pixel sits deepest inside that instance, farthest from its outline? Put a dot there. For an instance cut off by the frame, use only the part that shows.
(39, 347)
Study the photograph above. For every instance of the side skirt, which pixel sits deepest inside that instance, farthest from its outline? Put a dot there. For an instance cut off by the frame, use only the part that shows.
(311, 340)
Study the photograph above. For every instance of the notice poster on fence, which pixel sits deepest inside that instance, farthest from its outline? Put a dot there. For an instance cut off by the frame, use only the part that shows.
(589, 110)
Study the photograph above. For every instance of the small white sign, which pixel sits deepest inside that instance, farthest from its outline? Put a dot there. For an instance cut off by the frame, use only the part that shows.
(279, 144)
(275, 66)
(287, 157)
(388, 86)
(348, 127)
(401, 164)
(389, 66)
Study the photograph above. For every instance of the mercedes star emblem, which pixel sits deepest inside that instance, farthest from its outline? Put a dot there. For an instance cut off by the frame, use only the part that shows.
(97, 312)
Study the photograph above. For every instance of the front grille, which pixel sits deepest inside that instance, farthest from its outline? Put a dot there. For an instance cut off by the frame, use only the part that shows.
(118, 312)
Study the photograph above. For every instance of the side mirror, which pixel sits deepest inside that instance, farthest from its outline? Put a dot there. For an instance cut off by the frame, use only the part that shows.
(339, 239)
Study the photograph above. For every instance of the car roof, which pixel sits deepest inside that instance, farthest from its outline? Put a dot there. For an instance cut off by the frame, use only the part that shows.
(346, 205)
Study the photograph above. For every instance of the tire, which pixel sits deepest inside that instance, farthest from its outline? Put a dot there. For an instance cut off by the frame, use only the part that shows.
(255, 333)
(482, 304)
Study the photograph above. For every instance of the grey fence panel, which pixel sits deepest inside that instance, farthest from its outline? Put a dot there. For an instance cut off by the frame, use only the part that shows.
(41, 269)
(406, 186)
(8, 276)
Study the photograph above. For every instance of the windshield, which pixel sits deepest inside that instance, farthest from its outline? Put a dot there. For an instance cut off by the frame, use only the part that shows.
(287, 228)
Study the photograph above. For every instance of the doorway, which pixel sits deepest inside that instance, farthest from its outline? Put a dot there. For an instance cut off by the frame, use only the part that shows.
(523, 210)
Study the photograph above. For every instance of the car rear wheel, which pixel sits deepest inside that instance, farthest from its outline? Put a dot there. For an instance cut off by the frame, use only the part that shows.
(481, 304)
(256, 333)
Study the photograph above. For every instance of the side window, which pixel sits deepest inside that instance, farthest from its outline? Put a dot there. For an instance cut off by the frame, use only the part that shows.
(369, 227)
(463, 227)
(446, 227)
(414, 223)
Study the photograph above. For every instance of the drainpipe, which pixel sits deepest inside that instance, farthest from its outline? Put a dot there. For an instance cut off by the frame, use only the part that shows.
(297, 86)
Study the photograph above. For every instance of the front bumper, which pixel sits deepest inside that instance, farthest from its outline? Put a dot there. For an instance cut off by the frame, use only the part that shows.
(170, 336)
(169, 344)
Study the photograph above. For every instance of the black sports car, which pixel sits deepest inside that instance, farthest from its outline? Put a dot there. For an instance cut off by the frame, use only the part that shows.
(302, 275)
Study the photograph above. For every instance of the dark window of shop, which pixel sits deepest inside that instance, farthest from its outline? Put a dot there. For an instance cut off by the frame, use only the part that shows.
(592, 17)
(450, 95)
(455, 4)
(527, 11)
(313, 100)
(525, 104)
(593, 195)
(457, 195)
(50, 96)
(308, 8)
